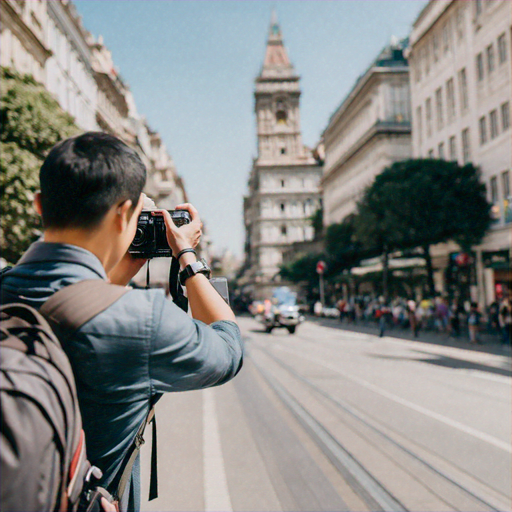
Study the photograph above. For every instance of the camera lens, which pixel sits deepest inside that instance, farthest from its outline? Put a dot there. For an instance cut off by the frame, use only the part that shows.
(140, 237)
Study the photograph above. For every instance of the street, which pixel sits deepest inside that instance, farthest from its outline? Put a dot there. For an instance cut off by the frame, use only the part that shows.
(333, 420)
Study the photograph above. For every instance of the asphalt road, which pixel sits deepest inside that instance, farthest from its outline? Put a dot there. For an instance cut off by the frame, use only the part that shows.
(333, 420)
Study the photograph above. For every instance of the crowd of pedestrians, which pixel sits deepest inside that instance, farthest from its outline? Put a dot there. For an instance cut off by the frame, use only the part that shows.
(455, 319)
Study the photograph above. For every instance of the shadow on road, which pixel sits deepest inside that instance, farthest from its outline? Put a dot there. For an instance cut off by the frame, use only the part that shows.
(491, 344)
(450, 362)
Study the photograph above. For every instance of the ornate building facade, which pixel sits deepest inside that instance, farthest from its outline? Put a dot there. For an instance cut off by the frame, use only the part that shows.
(69, 73)
(22, 37)
(284, 180)
(461, 75)
(370, 130)
(47, 40)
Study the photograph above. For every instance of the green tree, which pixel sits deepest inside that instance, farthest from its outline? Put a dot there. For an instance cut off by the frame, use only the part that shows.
(303, 271)
(422, 202)
(343, 247)
(31, 123)
(317, 221)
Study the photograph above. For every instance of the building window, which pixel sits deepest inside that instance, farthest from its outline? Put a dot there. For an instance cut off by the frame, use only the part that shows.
(439, 108)
(419, 124)
(440, 151)
(281, 117)
(453, 149)
(463, 87)
(493, 118)
(282, 183)
(282, 207)
(505, 116)
(446, 37)
(417, 67)
(480, 66)
(459, 21)
(507, 200)
(502, 49)
(450, 100)
(435, 47)
(428, 116)
(466, 153)
(283, 151)
(495, 211)
(283, 230)
(426, 56)
(505, 180)
(490, 58)
(483, 130)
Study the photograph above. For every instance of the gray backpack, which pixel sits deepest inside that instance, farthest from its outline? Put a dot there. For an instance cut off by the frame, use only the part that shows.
(43, 462)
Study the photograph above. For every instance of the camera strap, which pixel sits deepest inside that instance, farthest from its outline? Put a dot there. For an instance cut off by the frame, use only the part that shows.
(175, 288)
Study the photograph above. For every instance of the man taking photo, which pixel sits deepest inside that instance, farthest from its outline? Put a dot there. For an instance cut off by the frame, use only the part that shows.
(143, 344)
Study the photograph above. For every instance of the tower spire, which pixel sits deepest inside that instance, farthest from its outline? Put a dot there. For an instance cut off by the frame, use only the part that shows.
(276, 62)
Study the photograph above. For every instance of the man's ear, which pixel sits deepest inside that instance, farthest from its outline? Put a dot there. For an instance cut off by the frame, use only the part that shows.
(37, 203)
(123, 215)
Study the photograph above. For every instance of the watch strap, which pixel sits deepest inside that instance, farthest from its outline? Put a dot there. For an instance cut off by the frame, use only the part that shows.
(198, 267)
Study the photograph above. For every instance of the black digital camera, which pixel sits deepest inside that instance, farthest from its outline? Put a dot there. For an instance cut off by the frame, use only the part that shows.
(150, 239)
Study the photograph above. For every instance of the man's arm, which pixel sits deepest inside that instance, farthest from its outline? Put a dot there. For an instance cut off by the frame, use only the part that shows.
(186, 353)
(205, 303)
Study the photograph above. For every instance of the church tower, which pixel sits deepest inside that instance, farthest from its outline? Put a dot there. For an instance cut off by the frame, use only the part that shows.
(277, 104)
(284, 181)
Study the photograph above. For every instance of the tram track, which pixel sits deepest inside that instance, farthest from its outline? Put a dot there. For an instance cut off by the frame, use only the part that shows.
(451, 492)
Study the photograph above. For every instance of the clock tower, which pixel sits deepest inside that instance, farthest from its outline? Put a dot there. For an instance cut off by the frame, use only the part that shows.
(284, 180)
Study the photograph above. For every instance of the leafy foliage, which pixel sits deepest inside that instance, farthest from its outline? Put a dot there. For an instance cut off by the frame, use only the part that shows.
(302, 270)
(343, 247)
(317, 221)
(421, 202)
(32, 122)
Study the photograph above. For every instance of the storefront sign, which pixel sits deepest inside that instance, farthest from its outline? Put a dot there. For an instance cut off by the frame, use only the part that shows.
(496, 259)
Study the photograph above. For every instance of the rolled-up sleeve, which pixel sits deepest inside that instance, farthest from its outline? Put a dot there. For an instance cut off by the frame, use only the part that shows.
(187, 354)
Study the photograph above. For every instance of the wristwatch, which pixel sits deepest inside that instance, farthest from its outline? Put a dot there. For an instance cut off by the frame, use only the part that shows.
(198, 267)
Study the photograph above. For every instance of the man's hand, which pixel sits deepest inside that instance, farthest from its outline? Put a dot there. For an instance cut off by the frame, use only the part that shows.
(108, 507)
(126, 269)
(185, 236)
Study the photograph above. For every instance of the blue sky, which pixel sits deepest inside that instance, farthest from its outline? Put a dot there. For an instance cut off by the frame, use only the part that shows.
(191, 66)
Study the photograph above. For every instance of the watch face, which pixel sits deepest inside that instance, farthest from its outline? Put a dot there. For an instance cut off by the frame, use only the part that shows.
(198, 267)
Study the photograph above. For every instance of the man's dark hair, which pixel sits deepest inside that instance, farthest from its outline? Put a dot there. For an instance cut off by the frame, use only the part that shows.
(84, 176)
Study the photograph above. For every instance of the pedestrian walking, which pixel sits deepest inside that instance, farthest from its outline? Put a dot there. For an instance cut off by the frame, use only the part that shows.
(413, 320)
(456, 310)
(442, 315)
(384, 313)
(474, 323)
(505, 321)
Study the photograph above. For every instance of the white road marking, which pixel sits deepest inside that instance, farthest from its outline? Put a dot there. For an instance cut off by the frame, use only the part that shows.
(427, 412)
(216, 492)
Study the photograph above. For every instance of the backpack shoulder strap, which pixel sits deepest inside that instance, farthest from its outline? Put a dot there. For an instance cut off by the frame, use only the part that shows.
(76, 304)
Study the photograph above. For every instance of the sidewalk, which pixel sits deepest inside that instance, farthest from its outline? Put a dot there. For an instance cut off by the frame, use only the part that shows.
(489, 343)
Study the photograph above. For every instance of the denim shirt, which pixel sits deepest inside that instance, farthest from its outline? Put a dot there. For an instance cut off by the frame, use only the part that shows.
(141, 345)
